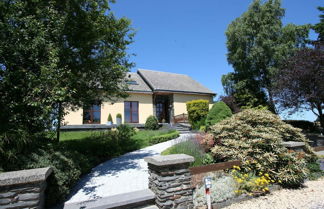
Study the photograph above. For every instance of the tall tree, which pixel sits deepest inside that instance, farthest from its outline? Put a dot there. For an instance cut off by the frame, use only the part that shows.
(319, 27)
(55, 53)
(257, 44)
(301, 82)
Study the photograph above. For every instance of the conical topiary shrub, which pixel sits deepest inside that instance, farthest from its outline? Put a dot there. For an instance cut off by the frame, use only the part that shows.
(217, 113)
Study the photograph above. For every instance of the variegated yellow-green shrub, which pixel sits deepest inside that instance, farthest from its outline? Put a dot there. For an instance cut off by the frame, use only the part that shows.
(256, 136)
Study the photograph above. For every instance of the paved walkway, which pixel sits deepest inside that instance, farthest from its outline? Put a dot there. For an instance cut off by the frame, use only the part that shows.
(127, 173)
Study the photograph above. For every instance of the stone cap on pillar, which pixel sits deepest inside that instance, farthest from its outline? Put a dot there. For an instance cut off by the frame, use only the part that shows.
(165, 160)
(24, 176)
(291, 144)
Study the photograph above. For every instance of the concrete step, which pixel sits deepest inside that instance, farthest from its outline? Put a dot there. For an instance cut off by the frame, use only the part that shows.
(137, 199)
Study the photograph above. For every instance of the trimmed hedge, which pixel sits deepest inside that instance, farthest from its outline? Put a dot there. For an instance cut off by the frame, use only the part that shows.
(217, 113)
(164, 137)
(197, 112)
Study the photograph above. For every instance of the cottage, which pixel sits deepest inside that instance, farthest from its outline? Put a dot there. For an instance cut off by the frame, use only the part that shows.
(151, 93)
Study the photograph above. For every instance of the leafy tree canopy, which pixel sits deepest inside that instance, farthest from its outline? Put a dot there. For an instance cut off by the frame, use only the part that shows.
(257, 44)
(319, 27)
(300, 83)
(58, 52)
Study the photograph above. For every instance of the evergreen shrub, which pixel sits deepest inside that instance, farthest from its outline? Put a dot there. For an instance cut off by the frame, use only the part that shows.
(255, 137)
(217, 113)
(152, 123)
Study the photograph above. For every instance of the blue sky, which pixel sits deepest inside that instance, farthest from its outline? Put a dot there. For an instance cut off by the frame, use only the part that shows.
(188, 37)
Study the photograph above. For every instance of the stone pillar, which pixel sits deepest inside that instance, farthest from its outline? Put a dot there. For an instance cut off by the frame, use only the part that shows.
(24, 188)
(170, 180)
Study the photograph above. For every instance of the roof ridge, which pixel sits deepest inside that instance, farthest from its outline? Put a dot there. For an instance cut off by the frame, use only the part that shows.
(161, 71)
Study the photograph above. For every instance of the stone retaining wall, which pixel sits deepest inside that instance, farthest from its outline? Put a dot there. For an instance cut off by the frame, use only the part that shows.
(170, 180)
(23, 189)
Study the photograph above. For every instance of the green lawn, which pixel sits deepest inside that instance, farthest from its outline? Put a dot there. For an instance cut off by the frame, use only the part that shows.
(74, 135)
(142, 137)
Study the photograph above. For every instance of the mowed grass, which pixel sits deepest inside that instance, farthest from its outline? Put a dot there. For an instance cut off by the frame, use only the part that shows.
(141, 138)
(75, 135)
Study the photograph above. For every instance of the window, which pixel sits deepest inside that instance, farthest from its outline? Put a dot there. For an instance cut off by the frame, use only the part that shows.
(91, 114)
(131, 112)
(132, 82)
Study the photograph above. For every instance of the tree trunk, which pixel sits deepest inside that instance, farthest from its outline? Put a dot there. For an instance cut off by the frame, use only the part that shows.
(321, 116)
(271, 102)
(59, 118)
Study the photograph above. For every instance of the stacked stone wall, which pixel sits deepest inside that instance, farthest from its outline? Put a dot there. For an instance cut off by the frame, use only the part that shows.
(170, 180)
(23, 189)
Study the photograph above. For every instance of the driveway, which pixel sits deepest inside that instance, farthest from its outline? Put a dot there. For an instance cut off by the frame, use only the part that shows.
(127, 173)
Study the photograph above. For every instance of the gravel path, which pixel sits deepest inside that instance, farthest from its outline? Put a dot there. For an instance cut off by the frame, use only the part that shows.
(310, 197)
(127, 173)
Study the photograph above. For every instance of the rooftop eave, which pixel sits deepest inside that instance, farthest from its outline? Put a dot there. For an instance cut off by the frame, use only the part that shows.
(183, 92)
(137, 91)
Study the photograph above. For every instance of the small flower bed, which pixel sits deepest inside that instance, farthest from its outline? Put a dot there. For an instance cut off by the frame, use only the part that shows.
(251, 183)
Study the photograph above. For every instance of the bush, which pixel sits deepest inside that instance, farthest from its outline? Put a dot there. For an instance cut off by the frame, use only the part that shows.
(152, 123)
(110, 118)
(251, 183)
(164, 137)
(196, 125)
(65, 174)
(305, 125)
(190, 147)
(217, 113)
(223, 188)
(72, 158)
(256, 136)
(197, 112)
(315, 171)
(125, 134)
(118, 115)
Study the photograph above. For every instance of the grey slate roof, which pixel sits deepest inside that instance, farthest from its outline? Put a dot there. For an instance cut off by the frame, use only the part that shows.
(163, 81)
(140, 85)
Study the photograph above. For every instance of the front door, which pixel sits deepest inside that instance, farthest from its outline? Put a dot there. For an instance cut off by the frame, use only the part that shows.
(162, 104)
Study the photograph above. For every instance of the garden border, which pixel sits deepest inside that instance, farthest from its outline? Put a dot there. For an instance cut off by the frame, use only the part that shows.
(214, 167)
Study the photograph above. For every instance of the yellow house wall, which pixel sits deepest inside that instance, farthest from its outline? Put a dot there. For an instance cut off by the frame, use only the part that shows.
(73, 117)
(145, 109)
(179, 101)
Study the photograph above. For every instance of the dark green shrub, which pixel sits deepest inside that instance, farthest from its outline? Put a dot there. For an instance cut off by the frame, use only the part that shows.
(305, 125)
(65, 171)
(152, 123)
(164, 137)
(217, 113)
(125, 133)
(315, 171)
(197, 112)
(255, 137)
(118, 115)
(196, 125)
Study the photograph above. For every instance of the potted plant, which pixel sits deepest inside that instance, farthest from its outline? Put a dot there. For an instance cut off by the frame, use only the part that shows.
(110, 121)
(119, 119)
